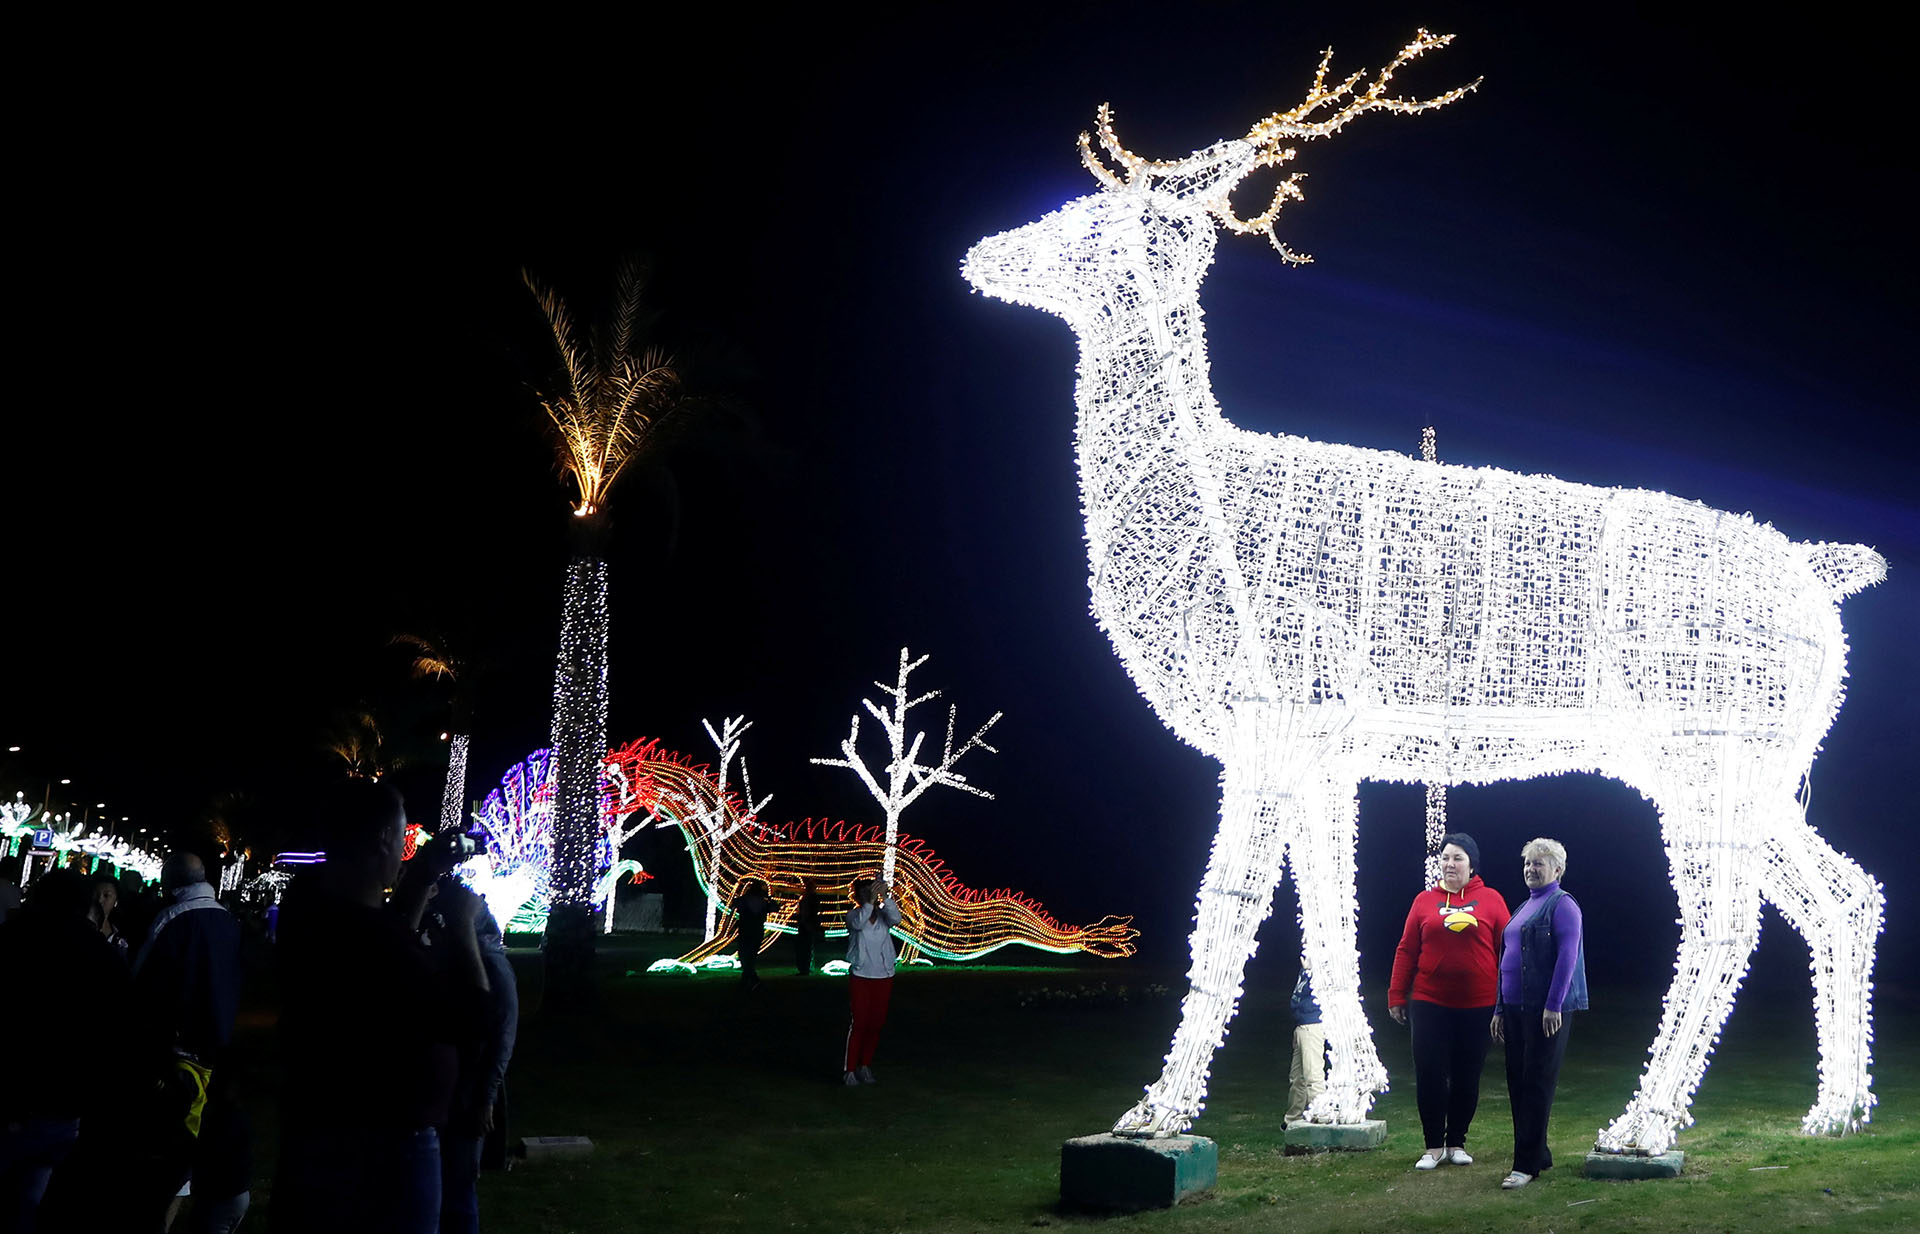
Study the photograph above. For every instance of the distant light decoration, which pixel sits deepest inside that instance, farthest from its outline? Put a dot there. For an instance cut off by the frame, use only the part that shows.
(906, 776)
(1275, 601)
(938, 915)
(453, 798)
(579, 731)
(19, 820)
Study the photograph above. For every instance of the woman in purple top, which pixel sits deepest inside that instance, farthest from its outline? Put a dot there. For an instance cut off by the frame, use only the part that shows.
(1543, 977)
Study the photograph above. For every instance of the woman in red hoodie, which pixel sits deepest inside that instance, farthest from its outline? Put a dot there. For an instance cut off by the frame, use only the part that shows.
(1446, 977)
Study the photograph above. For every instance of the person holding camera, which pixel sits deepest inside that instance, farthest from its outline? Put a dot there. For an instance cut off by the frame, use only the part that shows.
(371, 1023)
(870, 961)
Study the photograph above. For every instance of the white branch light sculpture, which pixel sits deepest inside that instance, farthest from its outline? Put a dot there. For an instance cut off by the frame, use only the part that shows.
(907, 777)
(1273, 599)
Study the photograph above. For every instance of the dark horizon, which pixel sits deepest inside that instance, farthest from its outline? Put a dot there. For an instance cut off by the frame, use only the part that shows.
(276, 410)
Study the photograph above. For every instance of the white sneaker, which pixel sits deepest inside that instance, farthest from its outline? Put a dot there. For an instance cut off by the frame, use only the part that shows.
(1515, 1181)
(865, 1075)
(1457, 1156)
(852, 1080)
(1427, 1162)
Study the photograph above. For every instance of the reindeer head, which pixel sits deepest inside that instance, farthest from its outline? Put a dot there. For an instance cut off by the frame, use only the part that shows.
(1149, 233)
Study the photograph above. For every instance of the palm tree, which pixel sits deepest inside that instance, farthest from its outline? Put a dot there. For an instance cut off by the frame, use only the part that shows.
(433, 656)
(355, 739)
(613, 400)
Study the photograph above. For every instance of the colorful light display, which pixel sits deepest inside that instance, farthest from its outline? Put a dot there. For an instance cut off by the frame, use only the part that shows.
(906, 776)
(19, 820)
(646, 784)
(1276, 600)
(938, 915)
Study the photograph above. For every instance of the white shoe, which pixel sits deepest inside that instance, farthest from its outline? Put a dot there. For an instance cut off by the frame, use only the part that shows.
(852, 1080)
(865, 1075)
(1427, 1162)
(1515, 1181)
(1457, 1156)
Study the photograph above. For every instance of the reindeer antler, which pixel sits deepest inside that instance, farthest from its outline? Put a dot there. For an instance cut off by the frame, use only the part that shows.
(1267, 135)
(1297, 122)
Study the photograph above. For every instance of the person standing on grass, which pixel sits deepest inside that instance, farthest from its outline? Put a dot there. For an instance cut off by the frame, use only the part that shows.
(806, 928)
(750, 910)
(1446, 981)
(870, 960)
(370, 1025)
(1543, 979)
(1307, 1077)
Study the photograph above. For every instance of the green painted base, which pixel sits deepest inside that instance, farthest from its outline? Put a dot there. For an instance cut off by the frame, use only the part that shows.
(1368, 1133)
(1108, 1172)
(1623, 1165)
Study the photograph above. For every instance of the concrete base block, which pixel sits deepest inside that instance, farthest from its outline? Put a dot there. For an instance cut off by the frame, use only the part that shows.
(554, 1147)
(1109, 1172)
(1624, 1165)
(1368, 1133)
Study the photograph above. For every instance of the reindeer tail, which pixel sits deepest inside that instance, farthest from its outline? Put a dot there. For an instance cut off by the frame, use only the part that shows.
(1845, 568)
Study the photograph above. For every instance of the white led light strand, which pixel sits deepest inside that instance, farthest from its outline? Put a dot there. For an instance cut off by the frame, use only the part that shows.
(453, 797)
(579, 731)
(1276, 601)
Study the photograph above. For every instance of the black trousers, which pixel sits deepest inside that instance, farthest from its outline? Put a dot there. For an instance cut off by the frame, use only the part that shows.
(1533, 1071)
(1449, 1049)
(803, 952)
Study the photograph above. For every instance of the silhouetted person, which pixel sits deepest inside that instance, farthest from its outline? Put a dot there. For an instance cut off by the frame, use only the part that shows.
(186, 990)
(68, 993)
(370, 1026)
(9, 887)
(806, 928)
(105, 900)
(479, 1100)
(750, 909)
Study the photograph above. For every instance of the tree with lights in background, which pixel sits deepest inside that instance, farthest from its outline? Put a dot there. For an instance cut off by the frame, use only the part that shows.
(613, 399)
(433, 656)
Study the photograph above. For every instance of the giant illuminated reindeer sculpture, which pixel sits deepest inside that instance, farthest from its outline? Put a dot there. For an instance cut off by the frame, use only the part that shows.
(1273, 599)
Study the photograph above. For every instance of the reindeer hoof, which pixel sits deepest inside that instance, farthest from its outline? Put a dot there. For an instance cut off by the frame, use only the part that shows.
(1146, 1121)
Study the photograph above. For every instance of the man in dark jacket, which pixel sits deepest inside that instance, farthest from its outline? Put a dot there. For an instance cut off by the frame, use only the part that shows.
(68, 1004)
(370, 1026)
(1308, 1074)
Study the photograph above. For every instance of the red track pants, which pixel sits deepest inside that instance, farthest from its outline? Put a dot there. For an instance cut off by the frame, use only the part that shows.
(869, 996)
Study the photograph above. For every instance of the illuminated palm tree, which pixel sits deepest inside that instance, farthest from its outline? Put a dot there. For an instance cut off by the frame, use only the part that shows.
(433, 657)
(612, 401)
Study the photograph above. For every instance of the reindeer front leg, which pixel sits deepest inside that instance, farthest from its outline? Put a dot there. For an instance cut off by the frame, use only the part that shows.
(1235, 896)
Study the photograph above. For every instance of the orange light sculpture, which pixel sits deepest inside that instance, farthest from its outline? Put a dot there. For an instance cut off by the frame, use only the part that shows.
(938, 915)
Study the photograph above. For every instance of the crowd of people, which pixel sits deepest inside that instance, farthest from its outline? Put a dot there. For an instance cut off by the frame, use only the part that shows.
(396, 1024)
(398, 1012)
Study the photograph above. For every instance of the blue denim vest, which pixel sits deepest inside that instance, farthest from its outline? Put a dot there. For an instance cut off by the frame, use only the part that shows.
(1538, 951)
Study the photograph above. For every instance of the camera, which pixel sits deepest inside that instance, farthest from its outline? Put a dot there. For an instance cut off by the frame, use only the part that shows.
(450, 847)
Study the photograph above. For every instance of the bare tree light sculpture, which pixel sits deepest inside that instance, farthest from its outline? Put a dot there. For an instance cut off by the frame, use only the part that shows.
(1269, 597)
(907, 777)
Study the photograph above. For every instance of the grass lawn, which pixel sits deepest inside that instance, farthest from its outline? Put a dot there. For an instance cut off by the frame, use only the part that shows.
(713, 1110)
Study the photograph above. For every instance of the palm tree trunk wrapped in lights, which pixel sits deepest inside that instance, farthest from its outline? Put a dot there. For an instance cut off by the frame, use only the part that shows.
(611, 401)
(433, 656)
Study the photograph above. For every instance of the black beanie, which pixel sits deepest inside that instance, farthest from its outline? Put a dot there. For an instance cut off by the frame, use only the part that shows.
(1464, 842)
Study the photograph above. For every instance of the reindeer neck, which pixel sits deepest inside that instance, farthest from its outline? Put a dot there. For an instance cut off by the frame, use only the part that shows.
(1143, 379)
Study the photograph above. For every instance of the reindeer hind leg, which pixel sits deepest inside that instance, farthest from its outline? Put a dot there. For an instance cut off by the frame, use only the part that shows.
(1716, 878)
(1836, 907)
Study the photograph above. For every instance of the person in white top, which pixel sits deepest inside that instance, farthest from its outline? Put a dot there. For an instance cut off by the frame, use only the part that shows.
(870, 959)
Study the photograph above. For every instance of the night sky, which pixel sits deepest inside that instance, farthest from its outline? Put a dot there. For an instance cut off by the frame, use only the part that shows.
(274, 407)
